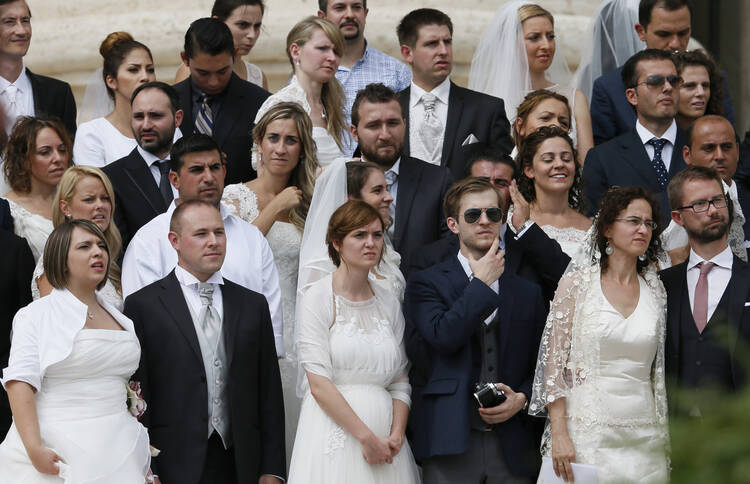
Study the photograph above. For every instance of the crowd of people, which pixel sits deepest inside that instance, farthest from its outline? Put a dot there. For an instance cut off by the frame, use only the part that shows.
(373, 275)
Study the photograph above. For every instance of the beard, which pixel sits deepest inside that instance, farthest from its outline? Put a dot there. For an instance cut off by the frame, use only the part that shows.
(355, 35)
(709, 234)
(370, 153)
(161, 143)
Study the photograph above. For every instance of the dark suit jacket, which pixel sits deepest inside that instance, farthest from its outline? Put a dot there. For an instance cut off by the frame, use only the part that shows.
(6, 219)
(16, 268)
(743, 194)
(173, 380)
(419, 219)
(623, 161)
(449, 312)
(675, 283)
(53, 97)
(233, 128)
(611, 113)
(137, 196)
(469, 112)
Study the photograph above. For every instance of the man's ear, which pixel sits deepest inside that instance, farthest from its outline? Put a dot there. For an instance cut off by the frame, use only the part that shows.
(686, 155)
(452, 224)
(677, 217)
(174, 179)
(407, 53)
(185, 58)
(353, 130)
(641, 31)
(632, 96)
(174, 240)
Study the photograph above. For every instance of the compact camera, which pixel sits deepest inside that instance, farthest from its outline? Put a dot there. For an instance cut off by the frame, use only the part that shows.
(487, 395)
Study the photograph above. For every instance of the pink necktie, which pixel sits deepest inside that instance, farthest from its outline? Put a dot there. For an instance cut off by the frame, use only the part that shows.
(700, 301)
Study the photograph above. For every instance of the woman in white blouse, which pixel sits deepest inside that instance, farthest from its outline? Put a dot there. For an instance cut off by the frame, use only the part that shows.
(70, 360)
(106, 135)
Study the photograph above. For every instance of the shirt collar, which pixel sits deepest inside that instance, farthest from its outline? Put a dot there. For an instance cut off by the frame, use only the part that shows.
(442, 92)
(465, 264)
(149, 157)
(23, 83)
(361, 60)
(670, 134)
(187, 279)
(731, 190)
(722, 259)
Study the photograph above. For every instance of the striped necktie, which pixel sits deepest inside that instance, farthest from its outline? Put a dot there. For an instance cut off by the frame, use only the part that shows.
(204, 123)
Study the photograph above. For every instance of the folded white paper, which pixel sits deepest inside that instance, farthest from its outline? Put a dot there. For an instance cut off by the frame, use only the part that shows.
(582, 473)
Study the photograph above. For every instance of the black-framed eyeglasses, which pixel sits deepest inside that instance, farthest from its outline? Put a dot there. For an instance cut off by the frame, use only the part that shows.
(701, 206)
(636, 222)
(657, 80)
(472, 215)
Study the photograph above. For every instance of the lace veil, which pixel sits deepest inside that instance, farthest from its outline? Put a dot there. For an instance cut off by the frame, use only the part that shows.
(500, 66)
(96, 101)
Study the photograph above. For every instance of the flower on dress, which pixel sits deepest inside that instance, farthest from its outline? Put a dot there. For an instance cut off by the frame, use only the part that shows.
(136, 403)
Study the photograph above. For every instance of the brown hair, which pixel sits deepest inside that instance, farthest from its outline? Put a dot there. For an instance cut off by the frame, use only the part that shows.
(529, 104)
(357, 174)
(114, 49)
(22, 146)
(615, 201)
(452, 202)
(525, 158)
(408, 28)
(532, 10)
(689, 173)
(347, 218)
(698, 57)
(56, 251)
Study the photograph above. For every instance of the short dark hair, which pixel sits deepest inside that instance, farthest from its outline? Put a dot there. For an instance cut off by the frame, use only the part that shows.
(646, 8)
(222, 9)
(376, 93)
(408, 29)
(689, 173)
(703, 119)
(55, 257)
(175, 223)
(452, 201)
(698, 57)
(114, 49)
(347, 218)
(491, 154)
(194, 143)
(323, 5)
(210, 36)
(630, 69)
(7, 2)
(615, 201)
(169, 91)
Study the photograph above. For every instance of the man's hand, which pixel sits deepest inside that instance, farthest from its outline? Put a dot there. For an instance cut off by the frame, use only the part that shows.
(500, 413)
(266, 479)
(521, 210)
(490, 267)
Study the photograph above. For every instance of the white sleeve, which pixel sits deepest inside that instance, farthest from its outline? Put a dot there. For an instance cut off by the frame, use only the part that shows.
(313, 332)
(138, 269)
(272, 291)
(23, 364)
(88, 148)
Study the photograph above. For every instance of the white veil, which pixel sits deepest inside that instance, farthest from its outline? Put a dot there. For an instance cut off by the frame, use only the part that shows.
(500, 66)
(613, 40)
(96, 101)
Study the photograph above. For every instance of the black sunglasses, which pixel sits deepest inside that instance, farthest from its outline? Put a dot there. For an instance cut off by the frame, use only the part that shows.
(472, 215)
(657, 80)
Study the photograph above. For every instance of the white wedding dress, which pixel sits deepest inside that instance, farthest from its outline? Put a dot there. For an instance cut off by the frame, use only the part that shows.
(610, 370)
(81, 407)
(284, 239)
(359, 347)
(571, 239)
(32, 227)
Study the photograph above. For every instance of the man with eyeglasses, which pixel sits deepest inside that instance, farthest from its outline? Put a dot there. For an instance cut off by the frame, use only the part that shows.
(470, 320)
(651, 153)
(708, 296)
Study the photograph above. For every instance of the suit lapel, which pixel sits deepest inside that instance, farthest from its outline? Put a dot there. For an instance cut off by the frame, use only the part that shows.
(230, 110)
(138, 173)
(635, 155)
(231, 319)
(38, 93)
(676, 287)
(409, 176)
(175, 305)
(403, 99)
(678, 162)
(739, 288)
(455, 108)
(506, 289)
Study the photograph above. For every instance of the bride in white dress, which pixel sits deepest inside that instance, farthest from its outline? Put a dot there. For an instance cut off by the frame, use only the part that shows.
(277, 203)
(600, 371)
(85, 192)
(314, 47)
(550, 181)
(70, 359)
(353, 367)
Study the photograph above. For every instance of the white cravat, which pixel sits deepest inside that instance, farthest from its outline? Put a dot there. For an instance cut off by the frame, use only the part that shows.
(431, 129)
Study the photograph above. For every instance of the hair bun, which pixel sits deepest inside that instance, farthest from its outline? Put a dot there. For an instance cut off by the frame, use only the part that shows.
(113, 40)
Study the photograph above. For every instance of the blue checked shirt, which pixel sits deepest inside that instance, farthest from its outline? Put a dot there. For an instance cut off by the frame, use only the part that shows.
(374, 66)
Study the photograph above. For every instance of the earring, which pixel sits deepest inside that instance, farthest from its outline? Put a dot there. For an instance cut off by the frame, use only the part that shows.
(296, 62)
(68, 216)
(642, 257)
(608, 248)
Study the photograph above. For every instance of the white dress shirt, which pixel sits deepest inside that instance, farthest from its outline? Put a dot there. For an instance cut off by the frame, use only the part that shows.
(152, 162)
(670, 135)
(416, 116)
(24, 99)
(189, 284)
(718, 278)
(495, 286)
(248, 262)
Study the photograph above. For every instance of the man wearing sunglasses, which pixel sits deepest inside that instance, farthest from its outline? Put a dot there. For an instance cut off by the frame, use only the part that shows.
(650, 154)
(708, 296)
(476, 322)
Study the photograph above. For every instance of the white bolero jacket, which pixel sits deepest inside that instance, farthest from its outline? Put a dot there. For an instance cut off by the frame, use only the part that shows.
(44, 332)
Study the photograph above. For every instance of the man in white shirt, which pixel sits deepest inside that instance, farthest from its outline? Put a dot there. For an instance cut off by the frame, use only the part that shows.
(443, 120)
(708, 295)
(198, 172)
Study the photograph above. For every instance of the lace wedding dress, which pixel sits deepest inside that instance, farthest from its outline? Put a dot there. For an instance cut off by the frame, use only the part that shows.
(610, 370)
(359, 347)
(284, 240)
(32, 227)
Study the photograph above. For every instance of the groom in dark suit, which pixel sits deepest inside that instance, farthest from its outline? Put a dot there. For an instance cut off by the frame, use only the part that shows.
(650, 154)
(208, 365)
(215, 100)
(479, 323)
(444, 120)
(708, 296)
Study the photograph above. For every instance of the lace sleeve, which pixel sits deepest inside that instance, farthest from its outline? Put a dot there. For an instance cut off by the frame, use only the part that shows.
(555, 371)
(241, 201)
(658, 373)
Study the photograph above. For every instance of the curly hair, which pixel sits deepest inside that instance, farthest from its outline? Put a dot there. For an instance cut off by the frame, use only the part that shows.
(525, 158)
(613, 203)
(699, 57)
(22, 145)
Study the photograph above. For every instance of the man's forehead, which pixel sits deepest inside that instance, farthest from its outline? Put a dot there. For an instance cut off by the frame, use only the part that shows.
(369, 110)
(713, 132)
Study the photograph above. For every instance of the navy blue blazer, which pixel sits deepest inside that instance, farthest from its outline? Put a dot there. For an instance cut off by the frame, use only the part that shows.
(612, 114)
(622, 162)
(448, 311)
(6, 219)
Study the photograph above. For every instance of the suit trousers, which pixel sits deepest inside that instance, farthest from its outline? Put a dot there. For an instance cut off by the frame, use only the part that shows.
(482, 463)
(219, 467)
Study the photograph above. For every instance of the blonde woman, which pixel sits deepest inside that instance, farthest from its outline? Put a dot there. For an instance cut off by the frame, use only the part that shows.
(85, 192)
(314, 47)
